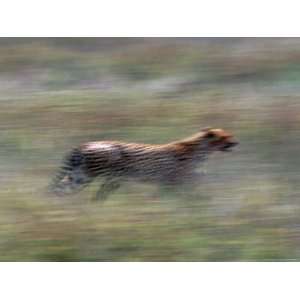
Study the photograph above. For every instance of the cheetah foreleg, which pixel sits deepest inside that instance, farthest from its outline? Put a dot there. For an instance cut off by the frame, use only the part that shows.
(107, 187)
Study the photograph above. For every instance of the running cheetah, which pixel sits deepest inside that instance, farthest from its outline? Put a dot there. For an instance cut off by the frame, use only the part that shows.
(168, 164)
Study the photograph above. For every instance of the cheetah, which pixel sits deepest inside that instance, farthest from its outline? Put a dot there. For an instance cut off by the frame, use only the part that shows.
(170, 164)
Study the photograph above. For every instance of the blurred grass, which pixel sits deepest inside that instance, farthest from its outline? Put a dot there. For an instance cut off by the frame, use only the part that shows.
(56, 93)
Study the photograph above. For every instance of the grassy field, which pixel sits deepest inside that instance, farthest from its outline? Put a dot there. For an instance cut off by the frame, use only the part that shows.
(57, 93)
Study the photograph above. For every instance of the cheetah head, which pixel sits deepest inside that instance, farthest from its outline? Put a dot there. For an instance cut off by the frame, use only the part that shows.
(219, 139)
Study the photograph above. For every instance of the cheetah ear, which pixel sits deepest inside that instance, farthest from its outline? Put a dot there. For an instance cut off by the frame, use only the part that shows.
(206, 129)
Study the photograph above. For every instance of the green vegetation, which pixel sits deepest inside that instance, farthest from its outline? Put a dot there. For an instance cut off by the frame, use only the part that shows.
(57, 93)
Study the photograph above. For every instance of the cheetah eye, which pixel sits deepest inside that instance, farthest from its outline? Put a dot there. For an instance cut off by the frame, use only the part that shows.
(210, 135)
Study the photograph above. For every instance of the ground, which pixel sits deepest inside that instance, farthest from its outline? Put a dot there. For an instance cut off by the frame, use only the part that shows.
(58, 93)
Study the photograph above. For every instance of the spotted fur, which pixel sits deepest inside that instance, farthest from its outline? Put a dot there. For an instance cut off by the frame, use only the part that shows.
(169, 164)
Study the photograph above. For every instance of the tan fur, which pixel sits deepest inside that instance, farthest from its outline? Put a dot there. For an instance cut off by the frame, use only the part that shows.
(169, 164)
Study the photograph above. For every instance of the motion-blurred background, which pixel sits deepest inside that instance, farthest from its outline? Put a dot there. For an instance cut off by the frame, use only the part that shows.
(58, 92)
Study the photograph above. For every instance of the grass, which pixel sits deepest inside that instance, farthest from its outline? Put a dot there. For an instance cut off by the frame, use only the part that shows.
(57, 93)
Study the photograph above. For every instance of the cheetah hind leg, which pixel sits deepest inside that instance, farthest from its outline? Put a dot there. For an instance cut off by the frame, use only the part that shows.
(107, 187)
